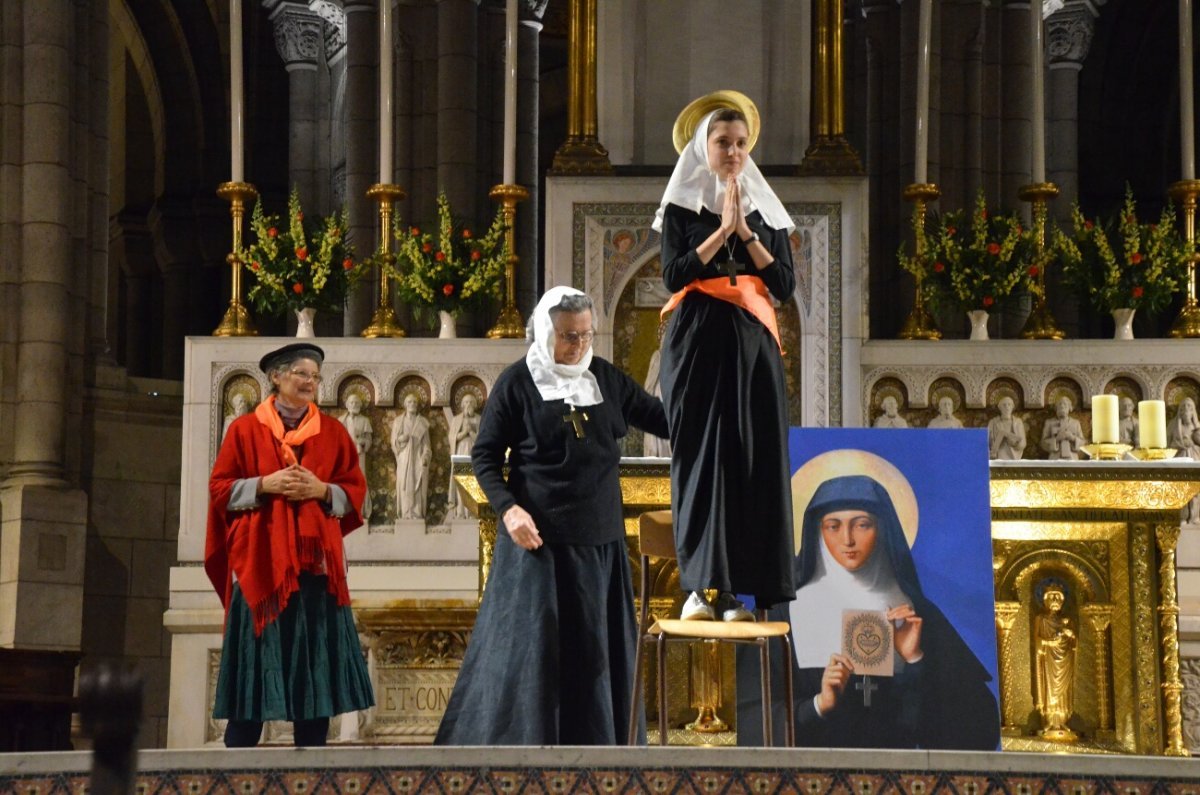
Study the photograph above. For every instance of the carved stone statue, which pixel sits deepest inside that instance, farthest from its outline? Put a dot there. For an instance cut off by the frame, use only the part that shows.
(358, 425)
(890, 418)
(238, 405)
(1006, 433)
(1128, 426)
(1062, 436)
(1183, 433)
(463, 430)
(654, 445)
(1054, 641)
(410, 443)
(945, 417)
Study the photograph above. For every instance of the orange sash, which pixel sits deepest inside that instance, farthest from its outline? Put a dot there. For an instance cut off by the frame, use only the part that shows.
(749, 293)
(309, 426)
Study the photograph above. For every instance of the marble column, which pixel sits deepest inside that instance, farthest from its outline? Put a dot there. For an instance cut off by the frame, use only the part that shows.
(528, 78)
(299, 39)
(42, 535)
(1016, 138)
(1069, 33)
(331, 131)
(457, 111)
(362, 155)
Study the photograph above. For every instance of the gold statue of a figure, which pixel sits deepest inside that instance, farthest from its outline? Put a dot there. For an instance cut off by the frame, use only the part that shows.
(1054, 641)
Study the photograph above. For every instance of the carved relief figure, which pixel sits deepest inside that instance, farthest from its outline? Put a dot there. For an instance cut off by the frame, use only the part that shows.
(1183, 433)
(890, 418)
(1128, 426)
(1062, 436)
(1006, 433)
(463, 430)
(945, 417)
(1054, 641)
(410, 443)
(358, 425)
(239, 405)
(653, 445)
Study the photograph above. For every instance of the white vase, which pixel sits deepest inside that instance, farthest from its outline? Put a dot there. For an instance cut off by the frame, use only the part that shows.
(304, 322)
(979, 319)
(446, 329)
(1123, 318)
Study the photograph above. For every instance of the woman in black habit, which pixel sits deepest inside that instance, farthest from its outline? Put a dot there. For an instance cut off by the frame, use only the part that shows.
(725, 255)
(551, 658)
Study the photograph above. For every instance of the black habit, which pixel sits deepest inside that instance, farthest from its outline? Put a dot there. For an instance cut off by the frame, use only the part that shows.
(550, 661)
(726, 399)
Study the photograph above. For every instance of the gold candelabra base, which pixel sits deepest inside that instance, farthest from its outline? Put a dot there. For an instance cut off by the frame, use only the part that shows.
(830, 155)
(1106, 451)
(236, 322)
(1041, 324)
(919, 325)
(1187, 324)
(1153, 453)
(708, 722)
(509, 325)
(384, 322)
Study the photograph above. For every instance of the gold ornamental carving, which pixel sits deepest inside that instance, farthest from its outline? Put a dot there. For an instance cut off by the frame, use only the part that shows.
(1167, 536)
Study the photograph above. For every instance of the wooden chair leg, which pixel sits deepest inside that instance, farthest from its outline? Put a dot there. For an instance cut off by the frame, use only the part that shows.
(764, 658)
(635, 706)
(790, 733)
(662, 689)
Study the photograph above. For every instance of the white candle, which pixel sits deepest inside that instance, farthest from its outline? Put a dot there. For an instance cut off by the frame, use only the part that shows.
(1152, 424)
(1105, 429)
(236, 105)
(1038, 96)
(385, 92)
(921, 167)
(510, 93)
(1187, 121)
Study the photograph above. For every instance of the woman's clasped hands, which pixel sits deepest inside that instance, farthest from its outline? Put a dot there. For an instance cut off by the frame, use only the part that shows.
(295, 483)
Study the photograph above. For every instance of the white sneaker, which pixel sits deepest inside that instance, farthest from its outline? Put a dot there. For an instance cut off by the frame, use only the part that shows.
(731, 609)
(697, 609)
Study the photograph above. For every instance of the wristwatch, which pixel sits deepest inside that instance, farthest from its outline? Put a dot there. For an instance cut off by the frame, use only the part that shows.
(753, 236)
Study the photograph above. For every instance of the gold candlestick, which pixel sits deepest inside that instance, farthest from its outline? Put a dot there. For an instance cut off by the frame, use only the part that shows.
(509, 325)
(920, 325)
(1153, 453)
(1041, 324)
(236, 322)
(384, 322)
(1188, 322)
(1105, 451)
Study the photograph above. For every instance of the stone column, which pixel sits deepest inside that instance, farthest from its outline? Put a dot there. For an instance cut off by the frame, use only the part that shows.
(1069, 33)
(457, 114)
(299, 40)
(362, 142)
(1016, 129)
(582, 152)
(97, 211)
(44, 520)
(331, 131)
(528, 81)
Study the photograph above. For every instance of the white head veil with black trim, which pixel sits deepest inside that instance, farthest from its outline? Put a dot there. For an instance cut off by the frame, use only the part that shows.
(572, 383)
(694, 184)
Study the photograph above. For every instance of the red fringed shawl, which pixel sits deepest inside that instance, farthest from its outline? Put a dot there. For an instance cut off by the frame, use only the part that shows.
(267, 547)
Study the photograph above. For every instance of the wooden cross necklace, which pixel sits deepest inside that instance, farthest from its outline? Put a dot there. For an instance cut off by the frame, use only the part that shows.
(577, 419)
(729, 266)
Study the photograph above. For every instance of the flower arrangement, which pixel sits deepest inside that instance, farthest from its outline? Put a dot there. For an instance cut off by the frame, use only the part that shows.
(452, 269)
(303, 264)
(981, 259)
(1121, 262)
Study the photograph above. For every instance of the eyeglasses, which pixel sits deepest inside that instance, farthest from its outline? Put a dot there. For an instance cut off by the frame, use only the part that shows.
(306, 376)
(576, 337)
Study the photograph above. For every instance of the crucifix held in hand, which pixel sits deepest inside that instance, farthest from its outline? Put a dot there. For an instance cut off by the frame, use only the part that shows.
(867, 687)
(577, 419)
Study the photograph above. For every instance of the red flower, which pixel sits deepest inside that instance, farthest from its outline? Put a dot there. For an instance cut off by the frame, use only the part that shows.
(983, 214)
(466, 234)
(1138, 291)
(1020, 231)
(428, 247)
(993, 248)
(440, 257)
(447, 289)
(1088, 225)
(412, 230)
(1033, 271)
(272, 232)
(347, 264)
(297, 288)
(988, 300)
(1135, 257)
(254, 266)
(300, 216)
(302, 253)
(938, 267)
(950, 230)
(476, 256)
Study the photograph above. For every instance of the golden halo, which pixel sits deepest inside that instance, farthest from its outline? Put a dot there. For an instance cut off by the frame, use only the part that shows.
(838, 463)
(697, 109)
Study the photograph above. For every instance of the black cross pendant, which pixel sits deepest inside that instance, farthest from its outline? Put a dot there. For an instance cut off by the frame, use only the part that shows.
(577, 419)
(867, 687)
(730, 269)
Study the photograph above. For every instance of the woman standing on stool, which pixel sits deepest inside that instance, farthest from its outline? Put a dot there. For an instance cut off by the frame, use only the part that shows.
(725, 253)
(285, 488)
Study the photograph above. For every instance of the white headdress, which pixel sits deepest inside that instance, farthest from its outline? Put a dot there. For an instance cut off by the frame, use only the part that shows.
(573, 383)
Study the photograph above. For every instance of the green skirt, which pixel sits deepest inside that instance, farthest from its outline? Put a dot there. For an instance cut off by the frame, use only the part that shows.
(307, 664)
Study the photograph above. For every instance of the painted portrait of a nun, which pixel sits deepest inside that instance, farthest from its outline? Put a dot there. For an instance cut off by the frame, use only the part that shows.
(859, 523)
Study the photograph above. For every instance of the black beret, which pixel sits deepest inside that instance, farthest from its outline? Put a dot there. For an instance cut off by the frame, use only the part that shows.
(290, 353)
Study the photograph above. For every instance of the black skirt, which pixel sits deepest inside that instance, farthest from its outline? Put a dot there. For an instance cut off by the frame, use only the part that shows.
(550, 661)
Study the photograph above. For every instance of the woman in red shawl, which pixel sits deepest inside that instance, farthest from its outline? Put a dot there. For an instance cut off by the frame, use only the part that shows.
(286, 487)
